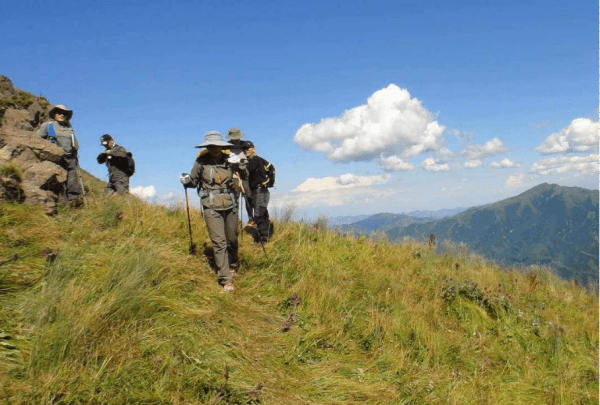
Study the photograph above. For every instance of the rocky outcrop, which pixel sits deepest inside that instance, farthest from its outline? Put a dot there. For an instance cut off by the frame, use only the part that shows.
(42, 180)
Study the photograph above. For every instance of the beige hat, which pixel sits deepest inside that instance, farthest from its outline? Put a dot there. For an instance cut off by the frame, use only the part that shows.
(213, 138)
(234, 134)
(58, 107)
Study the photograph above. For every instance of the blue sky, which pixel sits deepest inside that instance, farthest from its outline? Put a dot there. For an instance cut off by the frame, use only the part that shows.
(363, 107)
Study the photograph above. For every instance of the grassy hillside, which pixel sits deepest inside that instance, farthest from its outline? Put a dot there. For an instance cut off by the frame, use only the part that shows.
(105, 306)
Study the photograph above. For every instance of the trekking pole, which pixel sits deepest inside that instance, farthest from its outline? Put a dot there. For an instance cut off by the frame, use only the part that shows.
(77, 169)
(263, 247)
(81, 185)
(242, 191)
(187, 205)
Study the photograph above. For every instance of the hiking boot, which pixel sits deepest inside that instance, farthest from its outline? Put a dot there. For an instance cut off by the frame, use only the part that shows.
(228, 287)
(233, 273)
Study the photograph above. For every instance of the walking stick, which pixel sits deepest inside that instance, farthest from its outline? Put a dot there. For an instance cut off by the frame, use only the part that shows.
(81, 185)
(187, 205)
(78, 171)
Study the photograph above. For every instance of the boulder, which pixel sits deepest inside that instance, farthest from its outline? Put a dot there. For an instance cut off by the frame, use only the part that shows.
(21, 115)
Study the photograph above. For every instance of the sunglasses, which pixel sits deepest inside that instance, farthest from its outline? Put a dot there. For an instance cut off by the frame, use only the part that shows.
(61, 112)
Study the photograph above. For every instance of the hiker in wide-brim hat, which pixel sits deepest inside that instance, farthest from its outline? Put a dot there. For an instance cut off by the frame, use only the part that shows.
(60, 110)
(213, 138)
(213, 174)
(60, 132)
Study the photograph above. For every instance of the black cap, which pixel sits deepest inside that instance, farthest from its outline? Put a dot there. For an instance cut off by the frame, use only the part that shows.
(248, 145)
(105, 139)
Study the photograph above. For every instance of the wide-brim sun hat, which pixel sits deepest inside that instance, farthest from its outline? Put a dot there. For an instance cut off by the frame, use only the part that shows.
(234, 134)
(213, 138)
(60, 107)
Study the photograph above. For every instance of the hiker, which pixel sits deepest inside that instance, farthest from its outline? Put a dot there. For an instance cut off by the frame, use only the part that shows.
(118, 161)
(238, 148)
(60, 132)
(214, 173)
(259, 196)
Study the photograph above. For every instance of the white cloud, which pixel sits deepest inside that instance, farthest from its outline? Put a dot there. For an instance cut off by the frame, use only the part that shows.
(583, 164)
(515, 180)
(504, 164)
(580, 136)
(345, 181)
(492, 147)
(472, 164)
(347, 189)
(431, 165)
(395, 164)
(144, 192)
(391, 123)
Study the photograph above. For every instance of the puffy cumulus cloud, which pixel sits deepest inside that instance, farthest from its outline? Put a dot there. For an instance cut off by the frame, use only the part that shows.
(391, 123)
(431, 165)
(395, 164)
(492, 147)
(347, 180)
(582, 164)
(144, 192)
(503, 164)
(472, 164)
(515, 180)
(347, 189)
(580, 136)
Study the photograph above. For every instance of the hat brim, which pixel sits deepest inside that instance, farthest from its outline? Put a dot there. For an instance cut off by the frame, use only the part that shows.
(213, 143)
(52, 112)
(235, 137)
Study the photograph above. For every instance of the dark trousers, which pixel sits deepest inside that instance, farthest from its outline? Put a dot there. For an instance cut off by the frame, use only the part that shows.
(118, 182)
(222, 229)
(260, 201)
(69, 162)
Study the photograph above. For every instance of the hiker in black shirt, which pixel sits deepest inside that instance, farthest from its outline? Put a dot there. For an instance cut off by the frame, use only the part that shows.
(259, 198)
(116, 159)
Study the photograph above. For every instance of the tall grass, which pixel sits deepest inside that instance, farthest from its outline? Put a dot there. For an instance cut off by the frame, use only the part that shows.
(125, 315)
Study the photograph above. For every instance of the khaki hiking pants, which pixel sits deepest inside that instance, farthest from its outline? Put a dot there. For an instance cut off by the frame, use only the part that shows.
(222, 229)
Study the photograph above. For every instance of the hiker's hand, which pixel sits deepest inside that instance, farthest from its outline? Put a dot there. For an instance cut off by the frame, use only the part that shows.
(185, 178)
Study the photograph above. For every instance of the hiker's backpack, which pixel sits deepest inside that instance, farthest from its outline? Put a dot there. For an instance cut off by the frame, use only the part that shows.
(270, 170)
(130, 168)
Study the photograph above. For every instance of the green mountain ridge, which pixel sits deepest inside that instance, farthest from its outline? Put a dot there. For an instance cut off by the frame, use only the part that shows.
(546, 225)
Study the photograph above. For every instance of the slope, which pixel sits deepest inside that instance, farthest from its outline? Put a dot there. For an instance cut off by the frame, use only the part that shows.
(105, 306)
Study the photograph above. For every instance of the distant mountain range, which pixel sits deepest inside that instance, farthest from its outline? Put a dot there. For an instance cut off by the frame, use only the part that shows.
(547, 225)
(347, 220)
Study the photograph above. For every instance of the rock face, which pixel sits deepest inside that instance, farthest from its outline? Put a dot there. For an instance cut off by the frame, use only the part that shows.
(41, 180)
